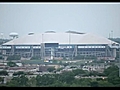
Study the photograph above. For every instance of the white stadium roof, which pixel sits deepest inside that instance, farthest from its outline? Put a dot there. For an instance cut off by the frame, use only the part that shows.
(61, 38)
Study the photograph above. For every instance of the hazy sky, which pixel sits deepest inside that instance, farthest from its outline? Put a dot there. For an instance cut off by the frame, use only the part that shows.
(98, 18)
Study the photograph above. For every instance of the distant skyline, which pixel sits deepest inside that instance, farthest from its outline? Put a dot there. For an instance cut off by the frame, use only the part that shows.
(99, 18)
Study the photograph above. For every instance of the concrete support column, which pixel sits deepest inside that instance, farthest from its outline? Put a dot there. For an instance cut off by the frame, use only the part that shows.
(42, 51)
(12, 49)
(52, 53)
(32, 51)
(106, 50)
(76, 50)
(114, 53)
(114, 50)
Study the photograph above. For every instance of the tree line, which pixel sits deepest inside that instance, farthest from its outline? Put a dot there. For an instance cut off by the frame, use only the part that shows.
(67, 79)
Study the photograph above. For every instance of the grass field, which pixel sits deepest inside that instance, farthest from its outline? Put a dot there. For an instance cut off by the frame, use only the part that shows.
(77, 62)
(32, 61)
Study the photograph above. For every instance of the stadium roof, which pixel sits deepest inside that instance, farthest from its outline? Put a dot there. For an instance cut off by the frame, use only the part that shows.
(61, 38)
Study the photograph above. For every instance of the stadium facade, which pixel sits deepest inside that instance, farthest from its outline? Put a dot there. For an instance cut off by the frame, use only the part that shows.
(52, 45)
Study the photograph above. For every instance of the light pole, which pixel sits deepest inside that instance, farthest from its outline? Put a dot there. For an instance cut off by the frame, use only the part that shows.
(112, 34)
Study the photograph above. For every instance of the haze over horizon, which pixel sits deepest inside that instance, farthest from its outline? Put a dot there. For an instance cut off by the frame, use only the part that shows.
(101, 19)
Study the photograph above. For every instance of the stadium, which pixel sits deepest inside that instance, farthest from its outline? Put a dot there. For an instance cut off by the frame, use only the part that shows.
(52, 45)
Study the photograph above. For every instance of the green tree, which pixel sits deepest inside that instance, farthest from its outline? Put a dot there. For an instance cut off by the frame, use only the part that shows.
(105, 83)
(14, 82)
(67, 77)
(114, 78)
(78, 72)
(45, 80)
(32, 82)
(110, 69)
(1, 79)
(94, 84)
(113, 75)
(50, 69)
(19, 73)
(11, 64)
(21, 81)
(84, 82)
(3, 72)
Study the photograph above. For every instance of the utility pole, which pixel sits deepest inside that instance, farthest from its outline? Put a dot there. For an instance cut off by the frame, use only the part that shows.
(2, 46)
(69, 44)
(119, 61)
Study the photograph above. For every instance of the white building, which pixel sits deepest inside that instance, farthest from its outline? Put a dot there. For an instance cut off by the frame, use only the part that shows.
(56, 45)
